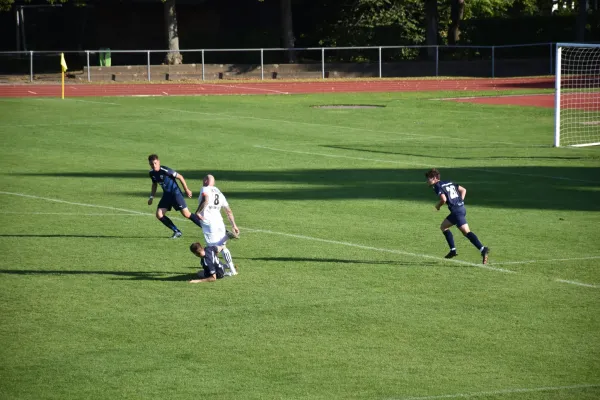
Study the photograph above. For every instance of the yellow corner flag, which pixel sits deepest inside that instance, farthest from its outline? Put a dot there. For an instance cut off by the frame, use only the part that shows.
(63, 65)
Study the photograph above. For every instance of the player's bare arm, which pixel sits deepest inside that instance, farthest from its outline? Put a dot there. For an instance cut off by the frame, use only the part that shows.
(232, 220)
(211, 278)
(152, 192)
(202, 205)
(181, 179)
(441, 202)
(462, 191)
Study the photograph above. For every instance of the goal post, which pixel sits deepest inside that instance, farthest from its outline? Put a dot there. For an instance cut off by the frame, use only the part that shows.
(577, 95)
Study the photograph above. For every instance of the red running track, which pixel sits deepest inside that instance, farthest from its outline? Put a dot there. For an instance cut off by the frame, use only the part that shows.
(223, 88)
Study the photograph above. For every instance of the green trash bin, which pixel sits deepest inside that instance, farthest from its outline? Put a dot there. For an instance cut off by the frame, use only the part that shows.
(104, 56)
(107, 57)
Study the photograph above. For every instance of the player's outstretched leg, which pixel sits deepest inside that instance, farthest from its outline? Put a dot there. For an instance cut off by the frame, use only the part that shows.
(229, 260)
(169, 224)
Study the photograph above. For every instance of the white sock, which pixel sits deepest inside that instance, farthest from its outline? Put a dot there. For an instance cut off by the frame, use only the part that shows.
(229, 260)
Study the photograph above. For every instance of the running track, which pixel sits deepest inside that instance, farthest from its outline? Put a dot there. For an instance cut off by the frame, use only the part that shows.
(270, 87)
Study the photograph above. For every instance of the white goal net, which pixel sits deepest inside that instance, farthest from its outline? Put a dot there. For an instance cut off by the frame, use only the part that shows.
(577, 97)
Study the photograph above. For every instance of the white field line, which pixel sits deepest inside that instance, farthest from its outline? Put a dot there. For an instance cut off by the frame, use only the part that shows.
(234, 116)
(417, 255)
(423, 165)
(121, 214)
(402, 252)
(577, 283)
(70, 202)
(554, 259)
(95, 102)
(499, 392)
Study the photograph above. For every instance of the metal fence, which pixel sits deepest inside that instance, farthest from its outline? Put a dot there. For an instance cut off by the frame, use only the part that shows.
(312, 63)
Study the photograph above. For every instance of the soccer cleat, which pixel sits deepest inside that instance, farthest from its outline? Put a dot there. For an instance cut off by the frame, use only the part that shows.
(452, 254)
(484, 253)
(176, 235)
(232, 235)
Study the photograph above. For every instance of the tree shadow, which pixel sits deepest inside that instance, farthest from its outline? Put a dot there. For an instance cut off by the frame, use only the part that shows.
(340, 261)
(428, 155)
(24, 235)
(118, 275)
(518, 187)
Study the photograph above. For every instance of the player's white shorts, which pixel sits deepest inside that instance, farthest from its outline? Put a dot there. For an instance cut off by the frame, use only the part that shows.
(214, 235)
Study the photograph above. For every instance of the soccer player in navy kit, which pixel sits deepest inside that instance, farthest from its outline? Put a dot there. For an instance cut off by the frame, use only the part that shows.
(453, 195)
(212, 269)
(172, 196)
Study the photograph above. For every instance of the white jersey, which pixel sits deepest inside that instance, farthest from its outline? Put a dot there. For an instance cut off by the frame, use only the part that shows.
(215, 200)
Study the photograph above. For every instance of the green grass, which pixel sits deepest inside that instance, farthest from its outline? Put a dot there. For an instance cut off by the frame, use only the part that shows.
(343, 292)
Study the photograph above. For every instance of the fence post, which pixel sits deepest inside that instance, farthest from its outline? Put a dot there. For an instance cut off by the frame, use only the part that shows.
(87, 56)
(551, 59)
(30, 66)
(148, 65)
(437, 61)
(493, 62)
(262, 66)
(202, 64)
(380, 61)
(322, 62)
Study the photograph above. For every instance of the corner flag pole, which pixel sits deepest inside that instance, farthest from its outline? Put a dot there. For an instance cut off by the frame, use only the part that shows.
(63, 67)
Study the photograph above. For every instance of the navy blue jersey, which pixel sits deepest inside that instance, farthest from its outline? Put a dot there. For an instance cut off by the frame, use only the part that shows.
(211, 264)
(453, 199)
(165, 177)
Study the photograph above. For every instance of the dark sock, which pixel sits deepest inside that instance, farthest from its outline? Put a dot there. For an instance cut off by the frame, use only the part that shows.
(168, 223)
(473, 238)
(195, 219)
(449, 239)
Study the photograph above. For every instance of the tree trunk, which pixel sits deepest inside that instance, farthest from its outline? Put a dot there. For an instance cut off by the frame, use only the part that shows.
(581, 20)
(287, 29)
(431, 27)
(174, 56)
(457, 10)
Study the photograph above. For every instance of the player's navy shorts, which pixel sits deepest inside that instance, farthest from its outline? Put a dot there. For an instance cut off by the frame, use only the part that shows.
(458, 217)
(172, 200)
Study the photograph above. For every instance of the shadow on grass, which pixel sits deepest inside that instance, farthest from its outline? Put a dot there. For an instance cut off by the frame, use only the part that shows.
(518, 187)
(119, 275)
(337, 260)
(77, 236)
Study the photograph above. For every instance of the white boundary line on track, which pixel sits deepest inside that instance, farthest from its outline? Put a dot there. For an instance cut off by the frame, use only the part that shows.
(494, 97)
(248, 88)
(498, 392)
(424, 165)
(489, 267)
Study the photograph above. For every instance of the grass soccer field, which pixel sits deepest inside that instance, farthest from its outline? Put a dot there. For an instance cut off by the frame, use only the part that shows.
(342, 292)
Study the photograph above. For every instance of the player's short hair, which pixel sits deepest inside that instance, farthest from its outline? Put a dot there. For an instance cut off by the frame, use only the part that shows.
(432, 173)
(194, 247)
(152, 157)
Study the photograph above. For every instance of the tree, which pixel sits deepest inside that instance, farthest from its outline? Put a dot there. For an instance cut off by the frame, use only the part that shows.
(173, 57)
(457, 11)
(287, 29)
(431, 26)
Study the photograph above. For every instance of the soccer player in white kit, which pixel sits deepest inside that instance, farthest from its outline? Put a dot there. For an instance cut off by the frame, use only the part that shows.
(210, 203)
